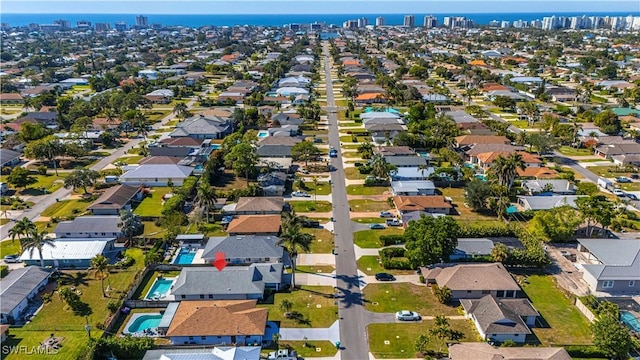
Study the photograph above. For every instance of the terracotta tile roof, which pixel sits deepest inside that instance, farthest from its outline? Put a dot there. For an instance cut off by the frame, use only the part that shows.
(370, 96)
(420, 203)
(478, 63)
(11, 126)
(10, 96)
(350, 62)
(254, 224)
(481, 139)
(104, 121)
(538, 172)
(218, 318)
(490, 157)
(266, 203)
(494, 87)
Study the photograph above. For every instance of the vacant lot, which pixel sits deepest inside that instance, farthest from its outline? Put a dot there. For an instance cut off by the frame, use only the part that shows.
(370, 238)
(366, 190)
(151, 205)
(323, 240)
(391, 297)
(311, 206)
(67, 208)
(362, 205)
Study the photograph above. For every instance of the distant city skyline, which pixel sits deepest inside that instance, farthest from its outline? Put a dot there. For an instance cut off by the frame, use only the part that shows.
(151, 7)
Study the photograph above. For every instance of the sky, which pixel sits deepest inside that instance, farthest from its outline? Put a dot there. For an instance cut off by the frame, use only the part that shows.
(312, 6)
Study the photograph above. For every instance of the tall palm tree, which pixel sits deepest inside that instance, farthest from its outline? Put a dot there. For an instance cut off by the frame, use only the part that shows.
(21, 229)
(575, 130)
(181, 110)
(295, 241)
(205, 196)
(99, 266)
(129, 224)
(36, 241)
(379, 167)
(506, 169)
(290, 218)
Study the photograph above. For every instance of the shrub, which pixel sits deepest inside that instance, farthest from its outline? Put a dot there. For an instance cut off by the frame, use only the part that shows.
(386, 240)
(393, 258)
(390, 252)
(4, 271)
(474, 231)
(66, 164)
(113, 306)
(42, 170)
(422, 279)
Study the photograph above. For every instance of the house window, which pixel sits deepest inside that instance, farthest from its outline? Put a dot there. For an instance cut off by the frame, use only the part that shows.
(468, 291)
(486, 292)
(500, 293)
(608, 284)
(632, 283)
(203, 338)
(183, 296)
(201, 296)
(516, 335)
(510, 293)
(104, 234)
(190, 337)
(210, 296)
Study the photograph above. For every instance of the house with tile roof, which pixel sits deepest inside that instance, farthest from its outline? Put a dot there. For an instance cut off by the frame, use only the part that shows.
(469, 140)
(484, 351)
(500, 320)
(484, 160)
(255, 225)
(233, 322)
(435, 204)
(473, 280)
(247, 205)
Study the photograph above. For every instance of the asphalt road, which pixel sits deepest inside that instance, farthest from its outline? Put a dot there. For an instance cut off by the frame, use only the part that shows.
(43, 202)
(353, 336)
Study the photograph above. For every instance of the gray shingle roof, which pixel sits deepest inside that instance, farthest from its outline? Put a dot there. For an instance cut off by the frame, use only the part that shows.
(115, 197)
(500, 316)
(89, 224)
(7, 155)
(241, 247)
(236, 280)
(18, 284)
(201, 125)
(274, 150)
(406, 160)
(162, 171)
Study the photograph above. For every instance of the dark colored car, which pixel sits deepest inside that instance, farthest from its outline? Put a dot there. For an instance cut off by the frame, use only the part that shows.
(385, 277)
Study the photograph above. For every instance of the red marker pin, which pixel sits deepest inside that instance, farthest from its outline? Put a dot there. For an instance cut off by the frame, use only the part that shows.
(220, 262)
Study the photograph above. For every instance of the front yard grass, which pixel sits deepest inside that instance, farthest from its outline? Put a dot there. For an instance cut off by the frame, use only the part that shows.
(55, 317)
(566, 325)
(352, 173)
(323, 241)
(151, 230)
(465, 214)
(371, 262)
(323, 188)
(129, 160)
(323, 269)
(311, 206)
(610, 171)
(401, 338)
(68, 208)
(151, 205)
(305, 300)
(629, 186)
(49, 182)
(364, 205)
(371, 238)
(571, 151)
(391, 297)
(366, 190)
(10, 247)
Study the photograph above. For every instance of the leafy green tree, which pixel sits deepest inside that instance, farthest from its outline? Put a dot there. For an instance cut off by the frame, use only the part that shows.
(543, 142)
(608, 122)
(30, 131)
(295, 241)
(21, 177)
(504, 102)
(611, 337)
(100, 266)
(36, 240)
(477, 193)
(429, 241)
(422, 343)
(555, 225)
(596, 209)
(304, 151)
(243, 159)
(500, 253)
(81, 178)
(366, 150)
(48, 148)
(587, 188)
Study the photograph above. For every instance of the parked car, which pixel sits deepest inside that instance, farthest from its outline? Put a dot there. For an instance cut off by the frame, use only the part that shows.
(618, 192)
(406, 315)
(11, 259)
(385, 214)
(385, 277)
(632, 196)
(311, 223)
(394, 222)
(623, 179)
(333, 153)
(300, 194)
(635, 176)
(376, 226)
(284, 354)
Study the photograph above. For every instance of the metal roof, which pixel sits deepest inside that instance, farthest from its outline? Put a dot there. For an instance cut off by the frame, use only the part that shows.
(18, 285)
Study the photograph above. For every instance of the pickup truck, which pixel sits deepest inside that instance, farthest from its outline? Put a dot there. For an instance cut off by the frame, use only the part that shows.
(394, 222)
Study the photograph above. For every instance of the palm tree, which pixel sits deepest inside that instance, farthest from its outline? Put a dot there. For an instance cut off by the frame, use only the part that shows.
(21, 229)
(379, 167)
(366, 150)
(129, 224)
(36, 241)
(100, 265)
(289, 219)
(286, 306)
(576, 128)
(295, 241)
(506, 169)
(181, 110)
(634, 134)
(205, 196)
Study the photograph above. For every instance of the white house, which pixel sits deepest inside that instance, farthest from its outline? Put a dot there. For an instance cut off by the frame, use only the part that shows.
(18, 288)
(156, 175)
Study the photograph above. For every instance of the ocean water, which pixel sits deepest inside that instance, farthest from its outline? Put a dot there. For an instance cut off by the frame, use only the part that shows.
(270, 20)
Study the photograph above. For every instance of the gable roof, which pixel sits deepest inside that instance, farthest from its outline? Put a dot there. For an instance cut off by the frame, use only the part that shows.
(491, 276)
(115, 197)
(260, 204)
(279, 140)
(420, 203)
(559, 185)
(481, 139)
(407, 160)
(201, 125)
(490, 157)
(182, 141)
(394, 150)
(70, 249)
(243, 246)
(548, 202)
(538, 172)
(501, 316)
(162, 171)
(7, 155)
(218, 318)
(484, 351)
(18, 284)
(619, 258)
(254, 224)
(158, 160)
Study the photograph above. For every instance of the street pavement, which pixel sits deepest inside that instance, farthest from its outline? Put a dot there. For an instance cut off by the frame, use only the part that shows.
(353, 336)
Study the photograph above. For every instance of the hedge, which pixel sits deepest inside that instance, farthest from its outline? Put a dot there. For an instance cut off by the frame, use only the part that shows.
(474, 231)
(393, 258)
(4, 271)
(386, 240)
(172, 204)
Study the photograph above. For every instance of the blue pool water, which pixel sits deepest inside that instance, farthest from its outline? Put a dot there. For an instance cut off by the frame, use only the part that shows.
(630, 320)
(160, 288)
(263, 133)
(185, 256)
(144, 322)
(215, 146)
(481, 177)
(379, 108)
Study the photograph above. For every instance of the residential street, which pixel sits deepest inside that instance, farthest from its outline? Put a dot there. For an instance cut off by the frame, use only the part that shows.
(353, 335)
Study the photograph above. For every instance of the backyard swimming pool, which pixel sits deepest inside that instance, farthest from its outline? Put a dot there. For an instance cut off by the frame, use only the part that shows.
(630, 320)
(263, 133)
(143, 324)
(160, 288)
(185, 256)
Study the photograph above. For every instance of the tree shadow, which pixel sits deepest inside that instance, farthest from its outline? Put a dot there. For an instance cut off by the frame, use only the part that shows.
(79, 278)
(349, 298)
(82, 309)
(351, 280)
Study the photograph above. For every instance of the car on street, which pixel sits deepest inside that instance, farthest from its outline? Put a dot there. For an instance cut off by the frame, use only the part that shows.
(376, 226)
(618, 192)
(10, 259)
(385, 214)
(632, 196)
(623, 179)
(300, 194)
(385, 277)
(635, 176)
(406, 315)
(333, 153)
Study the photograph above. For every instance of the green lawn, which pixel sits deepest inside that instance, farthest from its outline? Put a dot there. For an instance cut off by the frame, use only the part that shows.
(364, 205)
(400, 338)
(571, 151)
(9, 247)
(522, 124)
(310, 349)
(323, 188)
(49, 182)
(566, 324)
(305, 300)
(353, 173)
(151, 230)
(371, 262)
(366, 190)
(171, 123)
(311, 206)
(129, 159)
(351, 155)
(323, 242)
(629, 186)
(68, 208)
(610, 171)
(391, 297)
(56, 318)
(370, 238)
(465, 214)
(151, 205)
(326, 269)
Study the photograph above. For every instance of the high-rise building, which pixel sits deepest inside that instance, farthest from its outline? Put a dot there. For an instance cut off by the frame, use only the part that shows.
(294, 27)
(316, 26)
(380, 21)
(120, 26)
(142, 21)
(409, 21)
(363, 22)
(64, 24)
(430, 21)
(156, 26)
(83, 25)
(350, 24)
(102, 27)
(505, 24)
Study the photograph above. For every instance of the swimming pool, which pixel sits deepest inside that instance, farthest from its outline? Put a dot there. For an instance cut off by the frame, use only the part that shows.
(630, 320)
(160, 288)
(481, 177)
(263, 133)
(143, 324)
(215, 146)
(185, 256)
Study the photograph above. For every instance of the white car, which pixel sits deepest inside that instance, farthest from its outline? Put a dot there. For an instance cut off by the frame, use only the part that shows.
(300, 194)
(406, 315)
(618, 192)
